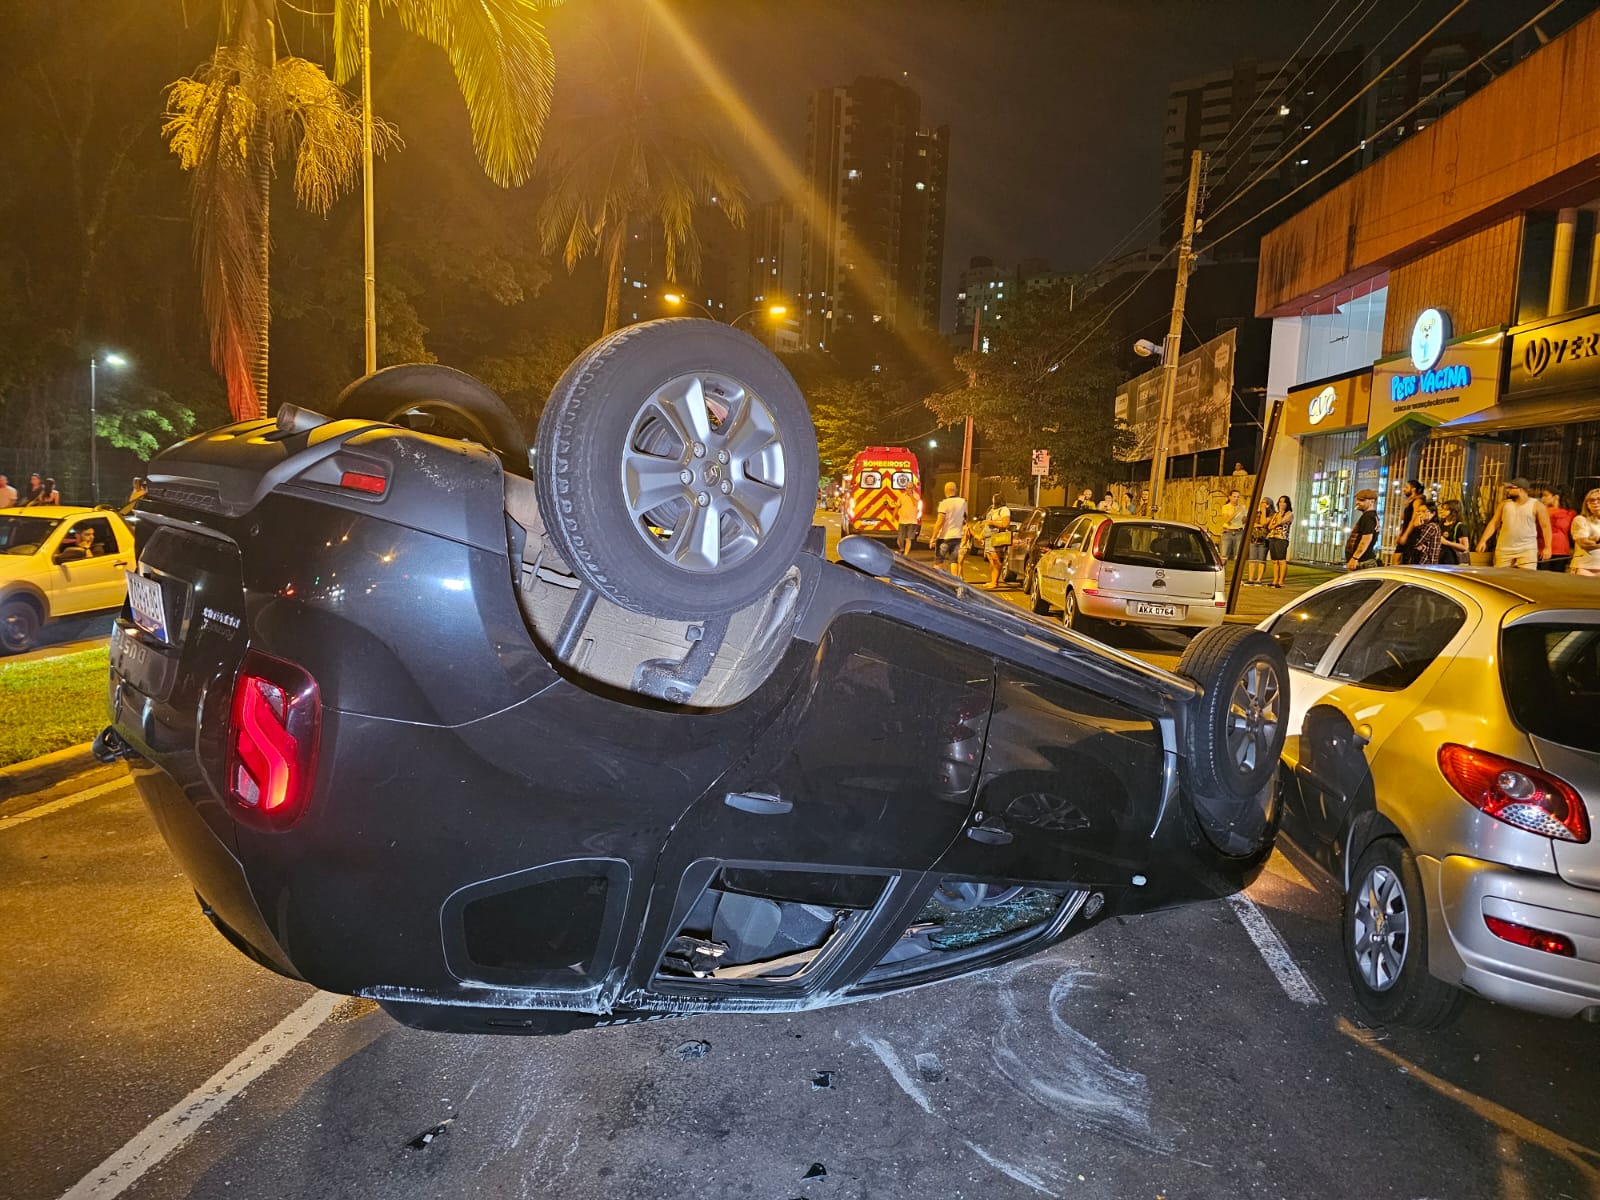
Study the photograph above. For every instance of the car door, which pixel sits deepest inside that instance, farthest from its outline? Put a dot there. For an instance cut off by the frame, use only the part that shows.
(1022, 542)
(1065, 791)
(86, 583)
(864, 775)
(1375, 679)
(1055, 568)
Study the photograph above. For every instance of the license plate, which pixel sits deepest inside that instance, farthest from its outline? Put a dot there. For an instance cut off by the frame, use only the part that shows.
(149, 610)
(1140, 609)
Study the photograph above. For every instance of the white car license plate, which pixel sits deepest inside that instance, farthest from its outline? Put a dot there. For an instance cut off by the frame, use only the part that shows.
(1139, 608)
(149, 611)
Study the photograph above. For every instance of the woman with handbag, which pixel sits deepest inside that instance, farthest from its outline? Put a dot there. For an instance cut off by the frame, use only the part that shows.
(996, 540)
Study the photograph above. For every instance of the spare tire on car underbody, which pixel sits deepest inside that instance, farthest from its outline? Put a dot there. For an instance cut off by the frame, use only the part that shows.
(677, 468)
(1234, 735)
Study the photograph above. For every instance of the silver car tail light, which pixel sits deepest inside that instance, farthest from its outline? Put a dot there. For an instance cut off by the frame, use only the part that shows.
(1515, 793)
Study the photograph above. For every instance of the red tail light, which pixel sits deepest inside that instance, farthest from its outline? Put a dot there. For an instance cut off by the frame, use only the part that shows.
(1533, 939)
(273, 727)
(1098, 546)
(360, 481)
(1515, 793)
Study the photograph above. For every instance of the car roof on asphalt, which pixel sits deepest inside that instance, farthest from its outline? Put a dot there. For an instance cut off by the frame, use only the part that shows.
(1547, 589)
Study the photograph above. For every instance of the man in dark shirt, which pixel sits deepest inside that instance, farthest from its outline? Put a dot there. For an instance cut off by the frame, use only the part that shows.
(1361, 547)
(1405, 543)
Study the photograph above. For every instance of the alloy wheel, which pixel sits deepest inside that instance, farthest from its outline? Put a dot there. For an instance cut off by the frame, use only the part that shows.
(1380, 929)
(1254, 712)
(703, 472)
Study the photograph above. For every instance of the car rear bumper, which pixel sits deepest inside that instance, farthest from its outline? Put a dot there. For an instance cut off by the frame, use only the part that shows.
(1111, 606)
(1466, 890)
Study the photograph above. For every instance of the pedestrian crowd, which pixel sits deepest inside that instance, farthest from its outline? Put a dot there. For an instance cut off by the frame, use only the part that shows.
(41, 491)
(1531, 529)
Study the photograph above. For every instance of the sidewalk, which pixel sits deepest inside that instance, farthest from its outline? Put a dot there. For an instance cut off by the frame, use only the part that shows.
(1257, 602)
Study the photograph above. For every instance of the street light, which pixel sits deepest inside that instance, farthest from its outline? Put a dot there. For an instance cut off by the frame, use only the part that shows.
(116, 361)
(773, 311)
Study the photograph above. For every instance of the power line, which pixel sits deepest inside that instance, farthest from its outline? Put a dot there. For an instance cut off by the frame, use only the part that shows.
(1482, 59)
(1372, 83)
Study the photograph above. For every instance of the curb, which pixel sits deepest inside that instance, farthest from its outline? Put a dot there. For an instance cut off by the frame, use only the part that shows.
(47, 770)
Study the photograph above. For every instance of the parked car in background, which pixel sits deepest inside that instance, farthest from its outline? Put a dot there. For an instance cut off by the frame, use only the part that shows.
(1442, 763)
(1034, 534)
(58, 562)
(1130, 571)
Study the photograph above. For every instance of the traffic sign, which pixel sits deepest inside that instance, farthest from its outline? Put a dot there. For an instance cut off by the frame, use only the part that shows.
(1041, 462)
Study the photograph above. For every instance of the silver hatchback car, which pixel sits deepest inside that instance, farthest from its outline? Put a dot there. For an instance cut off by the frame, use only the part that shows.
(1442, 765)
(1106, 569)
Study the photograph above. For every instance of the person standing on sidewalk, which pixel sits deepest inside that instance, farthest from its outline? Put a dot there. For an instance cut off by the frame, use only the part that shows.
(1278, 530)
(1426, 533)
(947, 529)
(907, 504)
(1586, 536)
(1453, 544)
(1523, 526)
(8, 494)
(1405, 551)
(996, 525)
(1361, 547)
(1234, 515)
(1258, 544)
(1560, 529)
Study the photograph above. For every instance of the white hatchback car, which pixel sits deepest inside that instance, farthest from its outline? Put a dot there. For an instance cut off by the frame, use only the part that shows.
(1131, 571)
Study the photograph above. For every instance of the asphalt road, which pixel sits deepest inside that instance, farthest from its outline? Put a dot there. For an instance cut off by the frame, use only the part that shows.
(1165, 1056)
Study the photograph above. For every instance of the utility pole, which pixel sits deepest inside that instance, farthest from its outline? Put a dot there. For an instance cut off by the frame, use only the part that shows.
(1169, 348)
(369, 268)
(966, 437)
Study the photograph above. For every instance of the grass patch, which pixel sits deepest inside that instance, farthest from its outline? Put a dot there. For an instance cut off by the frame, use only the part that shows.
(52, 703)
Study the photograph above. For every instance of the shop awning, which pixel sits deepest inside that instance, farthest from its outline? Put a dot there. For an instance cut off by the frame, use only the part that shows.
(1523, 415)
(1411, 423)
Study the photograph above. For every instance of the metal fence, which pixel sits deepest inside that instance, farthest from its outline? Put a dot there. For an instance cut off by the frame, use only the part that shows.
(70, 470)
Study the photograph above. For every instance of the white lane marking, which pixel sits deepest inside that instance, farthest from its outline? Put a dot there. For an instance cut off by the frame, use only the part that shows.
(1278, 959)
(55, 806)
(179, 1123)
(897, 1071)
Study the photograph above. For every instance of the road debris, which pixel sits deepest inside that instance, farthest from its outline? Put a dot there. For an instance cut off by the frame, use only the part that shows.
(426, 1138)
(815, 1171)
(930, 1068)
(822, 1079)
(693, 1050)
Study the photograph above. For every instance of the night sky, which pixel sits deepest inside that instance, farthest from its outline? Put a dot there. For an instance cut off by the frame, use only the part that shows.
(1056, 109)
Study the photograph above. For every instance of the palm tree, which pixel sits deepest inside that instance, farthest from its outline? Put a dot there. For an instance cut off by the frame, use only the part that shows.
(246, 109)
(633, 157)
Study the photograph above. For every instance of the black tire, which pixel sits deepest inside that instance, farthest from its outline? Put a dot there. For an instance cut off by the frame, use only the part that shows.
(19, 625)
(1041, 606)
(1385, 939)
(617, 438)
(1234, 734)
(452, 403)
(1072, 617)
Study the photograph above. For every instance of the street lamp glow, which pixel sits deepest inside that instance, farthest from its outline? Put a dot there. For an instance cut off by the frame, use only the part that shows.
(933, 443)
(672, 297)
(777, 310)
(113, 359)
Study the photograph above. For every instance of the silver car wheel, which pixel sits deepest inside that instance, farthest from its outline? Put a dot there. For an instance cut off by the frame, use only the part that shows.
(1254, 712)
(703, 471)
(1380, 929)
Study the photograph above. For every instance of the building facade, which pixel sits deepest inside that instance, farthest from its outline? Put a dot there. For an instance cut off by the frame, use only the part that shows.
(1434, 315)
(873, 244)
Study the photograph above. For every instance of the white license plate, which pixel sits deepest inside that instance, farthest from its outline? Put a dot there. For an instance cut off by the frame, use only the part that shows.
(149, 611)
(1139, 608)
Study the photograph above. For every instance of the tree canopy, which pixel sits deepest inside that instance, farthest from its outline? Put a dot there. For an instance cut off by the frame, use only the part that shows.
(1047, 382)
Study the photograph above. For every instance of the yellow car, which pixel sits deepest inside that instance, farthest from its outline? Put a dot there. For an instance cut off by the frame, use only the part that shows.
(58, 562)
(1443, 768)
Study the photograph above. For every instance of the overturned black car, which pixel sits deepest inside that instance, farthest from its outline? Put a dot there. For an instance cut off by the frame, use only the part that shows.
(528, 743)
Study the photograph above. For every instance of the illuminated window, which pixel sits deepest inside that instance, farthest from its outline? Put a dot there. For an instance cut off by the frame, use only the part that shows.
(852, 173)
(921, 186)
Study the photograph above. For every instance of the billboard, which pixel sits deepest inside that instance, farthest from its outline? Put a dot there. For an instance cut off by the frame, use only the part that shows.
(1201, 405)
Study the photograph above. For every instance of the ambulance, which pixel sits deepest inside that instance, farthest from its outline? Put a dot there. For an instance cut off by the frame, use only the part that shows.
(873, 484)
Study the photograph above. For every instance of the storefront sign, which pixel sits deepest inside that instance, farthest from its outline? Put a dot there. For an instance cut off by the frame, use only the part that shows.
(1559, 355)
(1428, 338)
(1327, 407)
(1459, 377)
